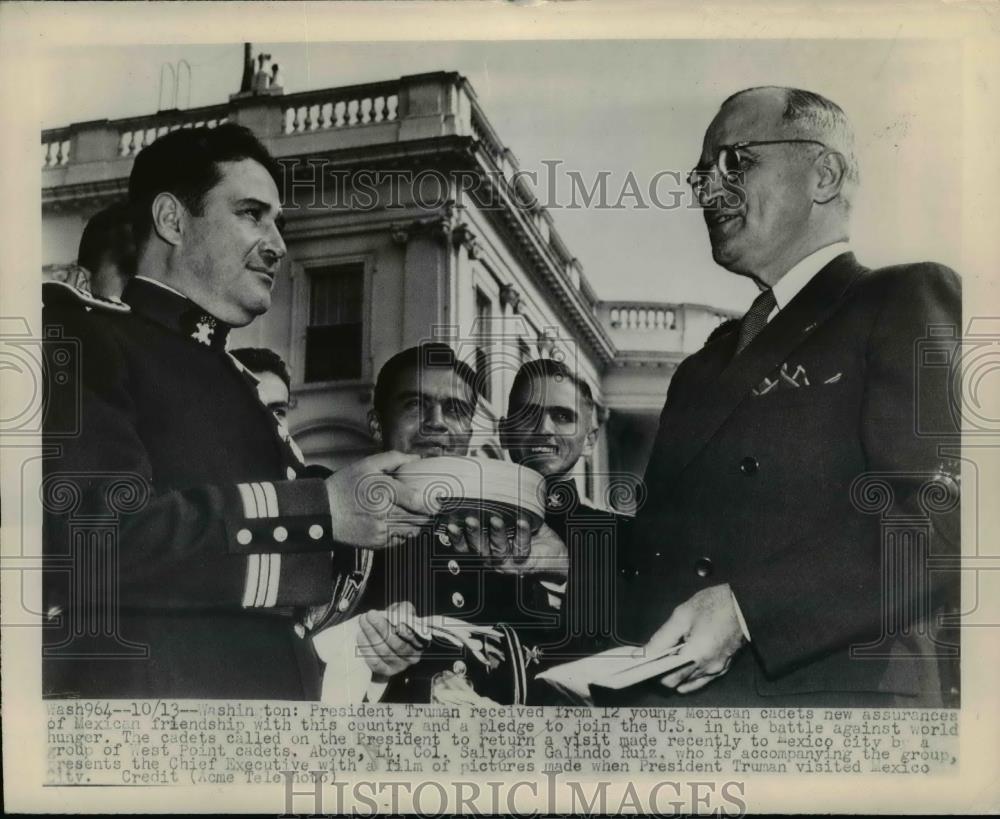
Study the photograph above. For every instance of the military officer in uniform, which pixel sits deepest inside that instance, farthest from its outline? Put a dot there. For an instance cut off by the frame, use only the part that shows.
(181, 550)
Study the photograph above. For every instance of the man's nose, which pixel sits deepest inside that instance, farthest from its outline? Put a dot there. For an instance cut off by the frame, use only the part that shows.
(272, 246)
(433, 418)
(545, 425)
(710, 189)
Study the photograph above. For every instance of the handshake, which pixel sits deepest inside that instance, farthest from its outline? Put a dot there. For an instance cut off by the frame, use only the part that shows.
(373, 508)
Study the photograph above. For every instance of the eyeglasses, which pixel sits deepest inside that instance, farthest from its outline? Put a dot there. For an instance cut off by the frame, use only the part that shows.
(730, 160)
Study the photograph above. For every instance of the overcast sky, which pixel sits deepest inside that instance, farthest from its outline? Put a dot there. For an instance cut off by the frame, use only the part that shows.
(621, 107)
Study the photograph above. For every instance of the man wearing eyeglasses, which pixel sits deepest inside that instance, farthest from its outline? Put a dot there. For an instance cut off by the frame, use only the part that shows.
(801, 485)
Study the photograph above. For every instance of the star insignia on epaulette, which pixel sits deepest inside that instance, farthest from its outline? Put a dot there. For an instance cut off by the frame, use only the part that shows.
(532, 655)
(203, 330)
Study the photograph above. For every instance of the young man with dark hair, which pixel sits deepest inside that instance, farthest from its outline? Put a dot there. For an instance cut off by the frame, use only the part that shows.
(215, 546)
(551, 423)
(551, 420)
(274, 384)
(107, 250)
(424, 401)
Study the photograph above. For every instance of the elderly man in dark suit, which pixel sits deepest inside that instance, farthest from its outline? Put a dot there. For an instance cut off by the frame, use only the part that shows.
(801, 487)
(184, 541)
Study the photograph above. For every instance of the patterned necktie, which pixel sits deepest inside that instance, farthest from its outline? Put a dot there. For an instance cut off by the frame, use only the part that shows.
(755, 319)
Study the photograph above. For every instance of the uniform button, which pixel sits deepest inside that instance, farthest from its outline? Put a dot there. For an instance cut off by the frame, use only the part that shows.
(749, 465)
(315, 531)
(243, 537)
(300, 630)
(703, 566)
(343, 605)
(458, 667)
(443, 539)
(280, 534)
(291, 473)
(453, 566)
(457, 600)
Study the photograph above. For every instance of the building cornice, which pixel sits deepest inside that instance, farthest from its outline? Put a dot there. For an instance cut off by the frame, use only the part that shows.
(83, 195)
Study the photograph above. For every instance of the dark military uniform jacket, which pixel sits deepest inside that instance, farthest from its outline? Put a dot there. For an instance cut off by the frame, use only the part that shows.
(542, 620)
(592, 538)
(818, 476)
(437, 580)
(180, 550)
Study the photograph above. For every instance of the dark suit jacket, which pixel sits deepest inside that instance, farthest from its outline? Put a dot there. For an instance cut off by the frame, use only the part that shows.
(178, 543)
(820, 501)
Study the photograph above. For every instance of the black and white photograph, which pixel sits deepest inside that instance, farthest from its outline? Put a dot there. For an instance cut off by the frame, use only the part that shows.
(583, 407)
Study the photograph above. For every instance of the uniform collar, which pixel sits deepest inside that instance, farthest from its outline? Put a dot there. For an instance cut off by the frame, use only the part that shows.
(170, 308)
(789, 285)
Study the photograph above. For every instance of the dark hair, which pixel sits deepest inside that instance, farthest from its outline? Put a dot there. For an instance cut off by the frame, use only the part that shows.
(185, 163)
(425, 356)
(262, 360)
(109, 231)
(549, 368)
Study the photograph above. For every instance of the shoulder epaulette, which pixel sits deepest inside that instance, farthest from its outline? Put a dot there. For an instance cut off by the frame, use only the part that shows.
(56, 292)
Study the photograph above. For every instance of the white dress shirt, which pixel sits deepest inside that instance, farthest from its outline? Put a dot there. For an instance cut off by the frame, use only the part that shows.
(788, 286)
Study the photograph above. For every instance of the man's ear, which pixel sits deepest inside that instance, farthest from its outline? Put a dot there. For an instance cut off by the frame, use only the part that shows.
(832, 168)
(375, 427)
(168, 218)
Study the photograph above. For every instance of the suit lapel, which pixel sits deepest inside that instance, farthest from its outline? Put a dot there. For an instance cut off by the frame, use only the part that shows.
(712, 361)
(683, 435)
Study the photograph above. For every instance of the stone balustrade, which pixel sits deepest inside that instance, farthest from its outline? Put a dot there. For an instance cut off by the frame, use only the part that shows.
(136, 133)
(642, 317)
(646, 326)
(347, 107)
(482, 130)
(56, 145)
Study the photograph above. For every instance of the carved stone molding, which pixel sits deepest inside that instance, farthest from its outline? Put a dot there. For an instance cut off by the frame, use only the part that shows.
(440, 225)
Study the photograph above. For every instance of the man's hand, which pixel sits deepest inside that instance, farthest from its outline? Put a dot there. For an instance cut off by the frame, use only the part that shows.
(370, 508)
(391, 640)
(711, 633)
(512, 550)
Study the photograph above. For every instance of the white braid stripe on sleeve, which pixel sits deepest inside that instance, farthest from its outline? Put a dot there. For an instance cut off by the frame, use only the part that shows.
(253, 573)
